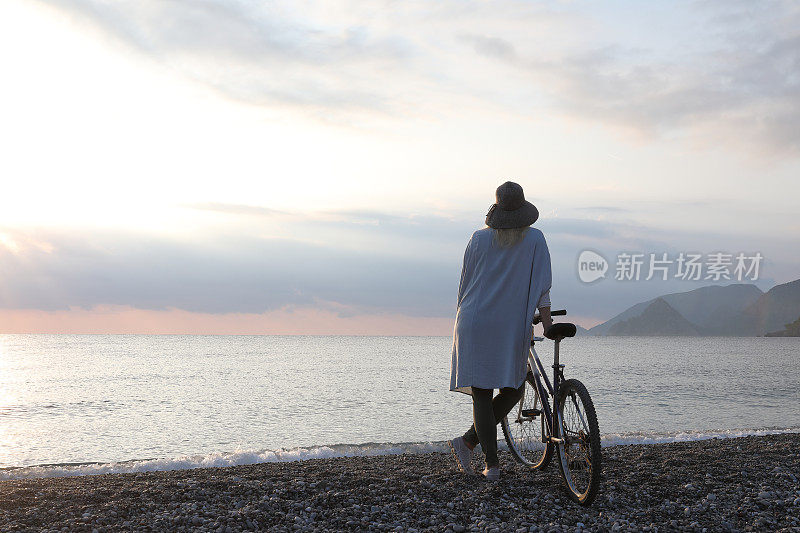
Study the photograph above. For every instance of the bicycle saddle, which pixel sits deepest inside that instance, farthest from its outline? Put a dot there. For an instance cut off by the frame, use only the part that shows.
(562, 329)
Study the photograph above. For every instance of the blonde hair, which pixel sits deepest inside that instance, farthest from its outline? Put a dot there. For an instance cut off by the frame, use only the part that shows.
(506, 238)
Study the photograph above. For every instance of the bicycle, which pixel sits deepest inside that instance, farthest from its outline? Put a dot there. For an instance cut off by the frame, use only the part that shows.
(533, 430)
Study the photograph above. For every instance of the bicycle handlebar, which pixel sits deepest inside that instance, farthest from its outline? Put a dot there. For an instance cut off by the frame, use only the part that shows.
(558, 312)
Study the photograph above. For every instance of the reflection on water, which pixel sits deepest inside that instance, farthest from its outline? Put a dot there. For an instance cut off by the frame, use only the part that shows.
(84, 398)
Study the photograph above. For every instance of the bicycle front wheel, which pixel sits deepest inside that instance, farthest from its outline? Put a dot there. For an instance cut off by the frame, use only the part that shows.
(525, 429)
(579, 452)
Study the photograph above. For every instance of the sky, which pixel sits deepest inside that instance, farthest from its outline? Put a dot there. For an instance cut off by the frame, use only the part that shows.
(237, 167)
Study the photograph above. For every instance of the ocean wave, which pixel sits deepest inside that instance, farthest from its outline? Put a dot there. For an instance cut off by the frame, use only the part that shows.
(247, 457)
(622, 439)
(220, 459)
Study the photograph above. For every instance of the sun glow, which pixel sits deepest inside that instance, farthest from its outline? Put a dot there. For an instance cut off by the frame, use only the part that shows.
(8, 243)
(123, 140)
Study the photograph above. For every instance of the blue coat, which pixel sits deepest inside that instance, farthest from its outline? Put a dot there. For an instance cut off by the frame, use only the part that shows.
(497, 297)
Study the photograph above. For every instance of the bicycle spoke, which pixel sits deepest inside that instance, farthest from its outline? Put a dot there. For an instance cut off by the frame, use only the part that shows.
(520, 404)
(576, 452)
(578, 410)
(523, 429)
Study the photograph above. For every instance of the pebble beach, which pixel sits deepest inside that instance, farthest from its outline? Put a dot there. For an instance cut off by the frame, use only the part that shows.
(738, 484)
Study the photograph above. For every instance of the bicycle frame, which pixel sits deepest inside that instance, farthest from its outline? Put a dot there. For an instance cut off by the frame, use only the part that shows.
(552, 390)
(575, 441)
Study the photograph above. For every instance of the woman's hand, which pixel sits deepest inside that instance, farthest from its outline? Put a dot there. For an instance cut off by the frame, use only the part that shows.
(546, 319)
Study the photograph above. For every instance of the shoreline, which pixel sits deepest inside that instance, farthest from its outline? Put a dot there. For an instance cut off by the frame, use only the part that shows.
(734, 484)
(250, 457)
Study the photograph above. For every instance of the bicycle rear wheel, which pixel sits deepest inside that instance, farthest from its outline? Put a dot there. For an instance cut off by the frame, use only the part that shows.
(579, 453)
(524, 428)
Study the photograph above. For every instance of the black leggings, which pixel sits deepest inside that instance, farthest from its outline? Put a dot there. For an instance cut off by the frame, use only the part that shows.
(487, 413)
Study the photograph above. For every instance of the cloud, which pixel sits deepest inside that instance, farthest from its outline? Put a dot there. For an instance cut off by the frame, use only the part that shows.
(493, 47)
(346, 264)
(236, 209)
(225, 274)
(263, 53)
(737, 79)
(252, 260)
(733, 78)
(364, 226)
(604, 209)
(438, 236)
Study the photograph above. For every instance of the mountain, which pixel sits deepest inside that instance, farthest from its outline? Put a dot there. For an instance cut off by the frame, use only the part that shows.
(738, 309)
(792, 330)
(773, 310)
(658, 318)
(712, 310)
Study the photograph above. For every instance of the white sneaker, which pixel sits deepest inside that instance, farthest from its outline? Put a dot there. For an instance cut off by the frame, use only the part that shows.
(492, 474)
(463, 454)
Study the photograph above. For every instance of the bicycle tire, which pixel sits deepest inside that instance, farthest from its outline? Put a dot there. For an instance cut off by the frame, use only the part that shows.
(582, 483)
(525, 443)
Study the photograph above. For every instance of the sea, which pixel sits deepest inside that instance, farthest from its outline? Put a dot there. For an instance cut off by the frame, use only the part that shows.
(94, 404)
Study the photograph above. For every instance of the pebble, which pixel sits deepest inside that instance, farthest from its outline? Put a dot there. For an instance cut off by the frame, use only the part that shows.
(426, 493)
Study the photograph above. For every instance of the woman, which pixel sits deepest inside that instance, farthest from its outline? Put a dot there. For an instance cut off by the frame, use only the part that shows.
(506, 275)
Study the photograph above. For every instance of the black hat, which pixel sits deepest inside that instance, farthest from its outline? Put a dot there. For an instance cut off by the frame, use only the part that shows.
(511, 209)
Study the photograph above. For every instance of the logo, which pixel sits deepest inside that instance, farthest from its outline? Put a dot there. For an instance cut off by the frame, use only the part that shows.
(591, 266)
(690, 266)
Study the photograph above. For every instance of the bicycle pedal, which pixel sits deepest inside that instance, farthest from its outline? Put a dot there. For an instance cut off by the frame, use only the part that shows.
(531, 413)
